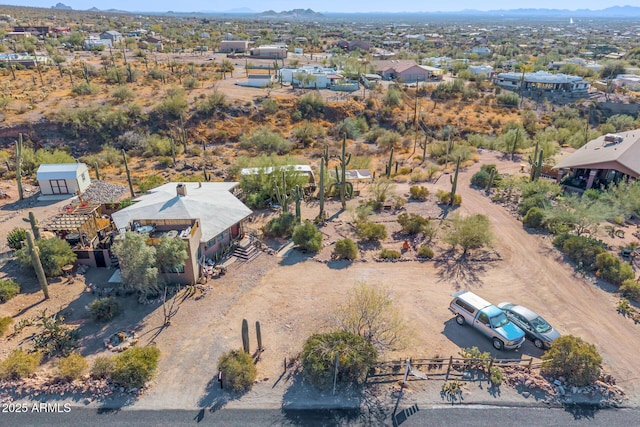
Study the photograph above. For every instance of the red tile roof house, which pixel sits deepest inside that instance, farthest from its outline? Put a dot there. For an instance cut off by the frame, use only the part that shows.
(406, 71)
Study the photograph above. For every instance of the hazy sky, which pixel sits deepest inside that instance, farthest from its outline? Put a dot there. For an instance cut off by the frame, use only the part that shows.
(318, 5)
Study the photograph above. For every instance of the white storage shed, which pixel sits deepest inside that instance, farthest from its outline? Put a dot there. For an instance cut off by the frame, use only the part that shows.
(63, 178)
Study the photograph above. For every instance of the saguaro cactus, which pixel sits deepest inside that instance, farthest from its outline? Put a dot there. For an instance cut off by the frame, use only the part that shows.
(34, 252)
(298, 195)
(492, 176)
(454, 182)
(35, 228)
(126, 168)
(259, 336)
(387, 169)
(97, 169)
(172, 146)
(281, 194)
(345, 188)
(19, 167)
(536, 163)
(324, 163)
(245, 336)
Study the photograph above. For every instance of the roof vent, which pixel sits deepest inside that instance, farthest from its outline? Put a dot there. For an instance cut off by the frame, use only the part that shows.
(181, 190)
(611, 137)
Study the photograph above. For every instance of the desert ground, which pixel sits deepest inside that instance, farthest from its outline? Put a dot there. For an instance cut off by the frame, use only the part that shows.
(293, 295)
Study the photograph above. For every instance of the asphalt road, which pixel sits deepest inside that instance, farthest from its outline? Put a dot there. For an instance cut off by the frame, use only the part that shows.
(464, 415)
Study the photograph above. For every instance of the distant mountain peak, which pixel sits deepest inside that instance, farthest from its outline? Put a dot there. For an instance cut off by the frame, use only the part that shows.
(61, 6)
(293, 13)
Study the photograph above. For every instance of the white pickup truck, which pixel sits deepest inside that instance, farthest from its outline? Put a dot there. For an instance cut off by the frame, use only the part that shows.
(473, 310)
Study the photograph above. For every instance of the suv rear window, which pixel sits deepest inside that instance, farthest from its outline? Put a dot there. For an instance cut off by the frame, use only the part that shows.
(465, 305)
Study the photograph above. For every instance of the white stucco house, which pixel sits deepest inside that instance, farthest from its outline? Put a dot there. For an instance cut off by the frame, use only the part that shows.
(64, 178)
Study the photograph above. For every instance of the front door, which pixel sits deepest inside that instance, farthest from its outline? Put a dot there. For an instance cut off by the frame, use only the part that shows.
(235, 230)
(100, 261)
(59, 186)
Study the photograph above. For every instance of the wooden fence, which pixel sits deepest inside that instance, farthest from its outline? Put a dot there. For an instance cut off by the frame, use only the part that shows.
(443, 368)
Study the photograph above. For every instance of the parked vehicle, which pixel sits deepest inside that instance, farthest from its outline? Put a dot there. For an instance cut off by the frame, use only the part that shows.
(473, 310)
(535, 327)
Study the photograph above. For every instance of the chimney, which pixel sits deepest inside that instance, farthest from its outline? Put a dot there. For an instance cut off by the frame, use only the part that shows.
(181, 190)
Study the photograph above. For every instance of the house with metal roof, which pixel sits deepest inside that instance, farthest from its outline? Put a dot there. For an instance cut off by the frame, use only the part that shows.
(207, 215)
(603, 161)
(63, 179)
(543, 83)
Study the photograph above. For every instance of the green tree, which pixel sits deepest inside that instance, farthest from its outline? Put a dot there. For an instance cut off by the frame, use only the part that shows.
(469, 233)
(171, 255)
(355, 355)
(345, 249)
(413, 224)
(137, 263)
(238, 370)
(576, 360)
(54, 254)
(307, 236)
(369, 312)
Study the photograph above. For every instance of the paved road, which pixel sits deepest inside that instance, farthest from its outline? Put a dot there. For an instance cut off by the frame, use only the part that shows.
(432, 416)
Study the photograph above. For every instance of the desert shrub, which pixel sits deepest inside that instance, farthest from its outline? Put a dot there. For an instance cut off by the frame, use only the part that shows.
(265, 140)
(629, 288)
(345, 249)
(269, 106)
(84, 88)
(54, 254)
(389, 254)
(480, 179)
(135, 366)
(419, 192)
(425, 252)
(414, 224)
(19, 364)
(173, 105)
(310, 106)
(103, 367)
(71, 367)
(54, 338)
(495, 376)
(371, 231)
(472, 232)
(280, 226)
(104, 309)
(16, 237)
(357, 356)
(4, 324)
(534, 218)
(612, 269)
(212, 103)
(238, 371)
(445, 197)
(580, 249)
(535, 201)
(150, 182)
(576, 360)
(508, 99)
(122, 94)
(8, 289)
(307, 236)
(190, 83)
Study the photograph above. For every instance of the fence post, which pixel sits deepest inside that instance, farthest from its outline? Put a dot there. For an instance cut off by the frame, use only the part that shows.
(529, 367)
(449, 367)
(406, 371)
(285, 364)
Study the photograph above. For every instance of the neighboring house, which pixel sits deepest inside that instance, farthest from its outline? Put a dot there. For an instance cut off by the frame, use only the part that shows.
(406, 71)
(351, 45)
(233, 46)
(112, 35)
(34, 30)
(206, 215)
(310, 77)
(607, 159)
(481, 50)
(256, 80)
(95, 41)
(64, 178)
(543, 83)
(275, 51)
(476, 70)
(24, 59)
(630, 81)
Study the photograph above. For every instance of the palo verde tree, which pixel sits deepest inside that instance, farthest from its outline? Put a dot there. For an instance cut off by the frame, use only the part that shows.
(469, 233)
(137, 263)
(54, 254)
(576, 360)
(171, 255)
(369, 312)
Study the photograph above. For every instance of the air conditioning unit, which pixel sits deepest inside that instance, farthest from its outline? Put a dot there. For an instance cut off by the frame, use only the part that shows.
(611, 137)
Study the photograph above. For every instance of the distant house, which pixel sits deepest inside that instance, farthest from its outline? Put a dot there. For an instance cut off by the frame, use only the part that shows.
(406, 71)
(351, 45)
(94, 41)
(33, 30)
(630, 81)
(476, 70)
(256, 80)
(234, 46)
(319, 77)
(544, 83)
(276, 51)
(112, 35)
(64, 178)
(481, 50)
(605, 160)
(207, 216)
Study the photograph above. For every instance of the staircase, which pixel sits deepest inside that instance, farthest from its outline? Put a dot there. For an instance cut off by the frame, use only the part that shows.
(246, 251)
(114, 261)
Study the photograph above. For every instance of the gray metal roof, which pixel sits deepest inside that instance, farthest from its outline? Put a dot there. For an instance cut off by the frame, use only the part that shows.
(210, 202)
(541, 77)
(59, 171)
(623, 156)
